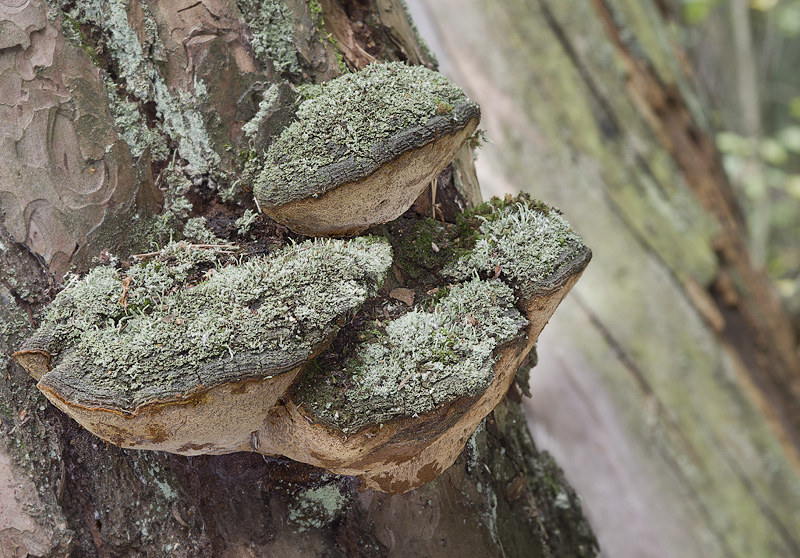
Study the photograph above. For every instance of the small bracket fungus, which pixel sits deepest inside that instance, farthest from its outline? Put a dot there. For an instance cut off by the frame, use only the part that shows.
(185, 355)
(422, 361)
(362, 149)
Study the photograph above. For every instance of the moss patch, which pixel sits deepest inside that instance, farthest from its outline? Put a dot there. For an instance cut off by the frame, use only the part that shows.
(419, 250)
(347, 125)
(420, 360)
(183, 319)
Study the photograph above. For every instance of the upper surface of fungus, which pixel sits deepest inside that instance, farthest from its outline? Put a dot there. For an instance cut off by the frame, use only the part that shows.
(396, 406)
(525, 240)
(165, 329)
(350, 128)
(422, 361)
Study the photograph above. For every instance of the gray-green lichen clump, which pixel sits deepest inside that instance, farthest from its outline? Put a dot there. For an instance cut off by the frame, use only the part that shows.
(139, 68)
(348, 127)
(182, 321)
(317, 507)
(423, 359)
(272, 24)
(524, 240)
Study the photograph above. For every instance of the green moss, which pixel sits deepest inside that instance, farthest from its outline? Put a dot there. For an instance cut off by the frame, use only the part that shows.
(417, 252)
(347, 124)
(185, 319)
(74, 33)
(317, 507)
(423, 360)
(272, 24)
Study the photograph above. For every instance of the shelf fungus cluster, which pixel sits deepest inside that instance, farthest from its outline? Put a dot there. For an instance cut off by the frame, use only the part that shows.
(304, 352)
(362, 149)
(180, 355)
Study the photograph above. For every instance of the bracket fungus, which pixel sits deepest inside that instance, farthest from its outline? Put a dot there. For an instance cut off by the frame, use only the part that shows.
(363, 148)
(184, 355)
(407, 400)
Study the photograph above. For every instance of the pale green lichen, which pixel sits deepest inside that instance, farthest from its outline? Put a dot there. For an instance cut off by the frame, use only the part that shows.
(140, 75)
(424, 359)
(526, 241)
(175, 327)
(317, 507)
(246, 221)
(195, 229)
(272, 24)
(347, 125)
(13, 324)
(131, 126)
(268, 103)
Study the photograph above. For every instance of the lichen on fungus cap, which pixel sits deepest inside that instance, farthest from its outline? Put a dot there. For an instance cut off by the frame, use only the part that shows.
(183, 355)
(363, 148)
(423, 360)
(397, 408)
(525, 242)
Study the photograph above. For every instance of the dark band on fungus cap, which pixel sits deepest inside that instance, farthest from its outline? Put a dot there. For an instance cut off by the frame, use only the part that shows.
(353, 168)
(363, 148)
(67, 383)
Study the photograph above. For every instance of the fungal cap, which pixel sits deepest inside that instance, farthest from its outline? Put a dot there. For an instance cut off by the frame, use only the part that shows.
(152, 373)
(527, 243)
(363, 148)
(36, 362)
(407, 450)
(410, 400)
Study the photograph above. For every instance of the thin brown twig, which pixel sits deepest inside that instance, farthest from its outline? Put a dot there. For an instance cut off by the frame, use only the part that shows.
(218, 248)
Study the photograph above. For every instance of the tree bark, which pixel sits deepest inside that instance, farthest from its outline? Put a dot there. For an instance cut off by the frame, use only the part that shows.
(120, 121)
(668, 386)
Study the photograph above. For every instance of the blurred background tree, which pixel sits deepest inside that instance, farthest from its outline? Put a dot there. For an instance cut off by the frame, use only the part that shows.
(746, 56)
(668, 385)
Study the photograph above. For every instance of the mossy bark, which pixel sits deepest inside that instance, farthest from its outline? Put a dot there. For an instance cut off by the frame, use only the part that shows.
(674, 359)
(127, 119)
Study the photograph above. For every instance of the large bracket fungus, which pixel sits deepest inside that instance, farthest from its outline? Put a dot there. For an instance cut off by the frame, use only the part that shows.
(297, 354)
(182, 355)
(399, 410)
(362, 149)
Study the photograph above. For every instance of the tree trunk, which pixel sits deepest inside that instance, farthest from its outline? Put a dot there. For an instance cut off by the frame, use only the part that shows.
(120, 121)
(668, 385)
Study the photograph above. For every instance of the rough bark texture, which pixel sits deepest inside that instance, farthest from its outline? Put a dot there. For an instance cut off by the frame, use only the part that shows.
(120, 121)
(668, 386)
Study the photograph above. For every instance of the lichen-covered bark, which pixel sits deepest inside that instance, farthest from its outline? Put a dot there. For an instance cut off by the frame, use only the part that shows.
(122, 124)
(684, 370)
